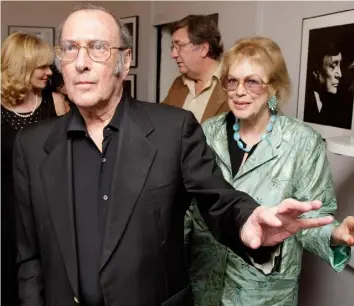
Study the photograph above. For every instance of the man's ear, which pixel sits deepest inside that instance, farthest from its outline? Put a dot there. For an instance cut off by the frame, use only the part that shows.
(204, 49)
(316, 75)
(127, 62)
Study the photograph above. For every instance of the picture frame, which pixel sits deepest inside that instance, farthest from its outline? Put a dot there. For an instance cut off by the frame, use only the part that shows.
(45, 33)
(326, 78)
(129, 85)
(351, 262)
(132, 23)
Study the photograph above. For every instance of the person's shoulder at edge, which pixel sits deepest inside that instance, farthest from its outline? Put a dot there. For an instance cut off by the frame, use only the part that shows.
(177, 83)
(292, 127)
(162, 111)
(60, 104)
(213, 124)
(39, 132)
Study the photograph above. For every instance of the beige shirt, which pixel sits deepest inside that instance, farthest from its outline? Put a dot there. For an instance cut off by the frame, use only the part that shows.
(197, 103)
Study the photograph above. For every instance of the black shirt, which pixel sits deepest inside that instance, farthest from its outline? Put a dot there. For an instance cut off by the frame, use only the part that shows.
(236, 157)
(236, 154)
(92, 176)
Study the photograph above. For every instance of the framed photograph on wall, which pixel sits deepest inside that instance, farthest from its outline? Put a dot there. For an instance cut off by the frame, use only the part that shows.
(132, 23)
(45, 33)
(326, 84)
(129, 85)
(351, 262)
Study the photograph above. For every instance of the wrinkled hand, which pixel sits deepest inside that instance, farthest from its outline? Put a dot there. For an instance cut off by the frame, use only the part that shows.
(269, 226)
(344, 233)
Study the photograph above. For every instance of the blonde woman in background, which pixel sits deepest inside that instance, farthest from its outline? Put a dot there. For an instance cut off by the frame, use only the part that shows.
(271, 157)
(25, 69)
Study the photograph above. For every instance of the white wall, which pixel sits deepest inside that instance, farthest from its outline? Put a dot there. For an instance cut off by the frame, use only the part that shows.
(168, 70)
(281, 21)
(236, 18)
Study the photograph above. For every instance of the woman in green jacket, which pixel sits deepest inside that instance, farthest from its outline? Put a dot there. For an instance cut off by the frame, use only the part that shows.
(271, 157)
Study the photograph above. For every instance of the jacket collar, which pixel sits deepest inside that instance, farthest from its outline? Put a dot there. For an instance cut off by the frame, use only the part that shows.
(265, 151)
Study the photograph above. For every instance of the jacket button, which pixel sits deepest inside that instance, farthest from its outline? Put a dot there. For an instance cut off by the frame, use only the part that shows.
(76, 300)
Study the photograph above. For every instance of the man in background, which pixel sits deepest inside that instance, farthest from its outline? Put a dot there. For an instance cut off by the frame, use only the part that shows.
(197, 49)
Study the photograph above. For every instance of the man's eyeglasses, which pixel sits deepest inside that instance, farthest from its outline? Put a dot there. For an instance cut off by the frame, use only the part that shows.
(98, 51)
(251, 83)
(179, 46)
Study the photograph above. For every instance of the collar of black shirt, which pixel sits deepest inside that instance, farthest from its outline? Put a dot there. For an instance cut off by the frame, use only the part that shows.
(77, 124)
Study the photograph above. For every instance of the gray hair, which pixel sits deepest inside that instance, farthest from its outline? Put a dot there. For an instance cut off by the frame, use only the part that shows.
(125, 37)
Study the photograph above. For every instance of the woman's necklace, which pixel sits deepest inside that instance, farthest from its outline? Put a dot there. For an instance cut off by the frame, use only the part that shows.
(26, 115)
(237, 137)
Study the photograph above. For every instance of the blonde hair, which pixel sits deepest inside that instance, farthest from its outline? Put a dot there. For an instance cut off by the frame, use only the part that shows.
(266, 53)
(21, 54)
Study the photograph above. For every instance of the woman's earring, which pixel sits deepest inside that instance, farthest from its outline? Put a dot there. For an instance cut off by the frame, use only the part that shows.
(272, 103)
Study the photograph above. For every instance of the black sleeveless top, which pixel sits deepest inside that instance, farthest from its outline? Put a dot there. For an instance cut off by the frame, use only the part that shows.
(10, 125)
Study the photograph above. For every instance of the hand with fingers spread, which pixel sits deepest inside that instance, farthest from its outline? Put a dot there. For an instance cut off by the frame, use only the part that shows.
(268, 226)
(344, 233)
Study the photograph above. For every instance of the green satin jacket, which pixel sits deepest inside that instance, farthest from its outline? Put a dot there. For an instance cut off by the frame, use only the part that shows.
(290, 163)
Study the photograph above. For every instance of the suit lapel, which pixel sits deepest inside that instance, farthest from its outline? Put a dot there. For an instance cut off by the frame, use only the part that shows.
(220, 145)
(56, 172)
(180, 97)
(134, 159)
(178, 94)
(217, 99)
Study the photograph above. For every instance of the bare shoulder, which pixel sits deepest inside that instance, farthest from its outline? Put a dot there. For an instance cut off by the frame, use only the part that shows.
(60, 104)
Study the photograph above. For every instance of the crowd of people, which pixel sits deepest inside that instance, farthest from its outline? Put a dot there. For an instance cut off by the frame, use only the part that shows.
(207, 199)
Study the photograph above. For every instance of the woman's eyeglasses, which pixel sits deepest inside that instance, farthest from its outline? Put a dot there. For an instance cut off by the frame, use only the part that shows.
(251, 83)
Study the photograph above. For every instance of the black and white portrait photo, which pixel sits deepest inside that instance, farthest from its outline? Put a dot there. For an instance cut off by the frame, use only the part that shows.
(326, 75)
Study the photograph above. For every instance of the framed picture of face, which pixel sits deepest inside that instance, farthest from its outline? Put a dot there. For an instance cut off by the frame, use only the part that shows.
(129, 85)
(45, 33)
(326, 85)
(132, 23)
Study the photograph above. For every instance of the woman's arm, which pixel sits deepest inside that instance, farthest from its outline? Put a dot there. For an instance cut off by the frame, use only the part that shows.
(313, 180)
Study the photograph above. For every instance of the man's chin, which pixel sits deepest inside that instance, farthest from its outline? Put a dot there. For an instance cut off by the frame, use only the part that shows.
(85, 103)
(182, 70)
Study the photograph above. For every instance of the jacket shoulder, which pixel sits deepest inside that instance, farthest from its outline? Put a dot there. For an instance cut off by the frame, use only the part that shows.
(35, 135)
(178, 81)
(165, 115)
(161, 108)
(175, 91)
(295, 128)
(213, 124)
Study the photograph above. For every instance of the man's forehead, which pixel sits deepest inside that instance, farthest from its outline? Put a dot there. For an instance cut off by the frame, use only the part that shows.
(333, 58)
(180, 34)
(90, 25)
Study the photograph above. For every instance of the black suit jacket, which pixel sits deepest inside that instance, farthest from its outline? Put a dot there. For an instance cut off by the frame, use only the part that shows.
(162, 162)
